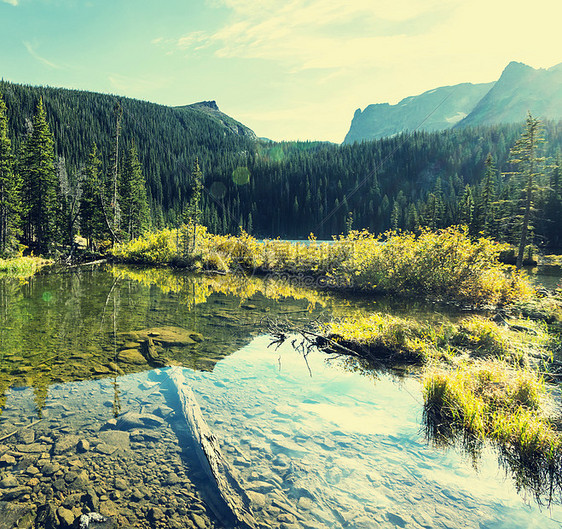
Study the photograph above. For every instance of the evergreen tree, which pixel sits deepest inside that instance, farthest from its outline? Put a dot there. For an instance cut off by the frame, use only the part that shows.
(68, 199)
(193, 210)
(92, 220)
(524, 155)
(486, 214)
(113, 180)
(9, 187)
(39, 184)
(134, 201)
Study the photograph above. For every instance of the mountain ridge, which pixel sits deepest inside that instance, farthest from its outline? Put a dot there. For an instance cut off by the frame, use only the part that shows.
(519, 89)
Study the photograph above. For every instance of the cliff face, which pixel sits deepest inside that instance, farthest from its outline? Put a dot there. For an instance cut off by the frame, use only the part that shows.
(436, 109)
(520, 89)
(211, 109)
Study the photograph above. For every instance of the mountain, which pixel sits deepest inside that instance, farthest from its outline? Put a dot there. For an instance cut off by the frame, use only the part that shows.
(520, 89)
(211, 110)
(436, 109)
(168, 139)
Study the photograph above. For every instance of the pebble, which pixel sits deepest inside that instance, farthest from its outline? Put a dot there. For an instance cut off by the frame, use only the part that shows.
(8, 482)
(7, 459)
(66, 515)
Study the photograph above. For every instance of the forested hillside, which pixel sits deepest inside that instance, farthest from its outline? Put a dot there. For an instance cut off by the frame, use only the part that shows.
(291, 189)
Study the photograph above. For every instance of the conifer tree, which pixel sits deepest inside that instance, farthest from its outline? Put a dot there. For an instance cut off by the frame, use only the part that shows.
(9, 187)
(134, 201)
(524, 155)
(39, 184)
(193, 211)
(92, 220)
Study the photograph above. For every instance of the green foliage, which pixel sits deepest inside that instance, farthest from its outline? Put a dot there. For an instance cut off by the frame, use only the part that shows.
(9, 188)
(292, 188)
(22, 267)
(489, 399)
(92, 221)
(134, 203)
(39, 184)
(444, 264)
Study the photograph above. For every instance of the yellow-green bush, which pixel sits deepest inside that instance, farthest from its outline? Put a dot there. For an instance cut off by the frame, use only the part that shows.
(444, 264)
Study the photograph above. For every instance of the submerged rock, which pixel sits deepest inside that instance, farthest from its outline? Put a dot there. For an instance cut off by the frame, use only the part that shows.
(131, 356)
(170, 336)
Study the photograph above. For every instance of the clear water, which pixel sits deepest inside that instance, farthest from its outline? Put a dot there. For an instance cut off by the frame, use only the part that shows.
(315, 443)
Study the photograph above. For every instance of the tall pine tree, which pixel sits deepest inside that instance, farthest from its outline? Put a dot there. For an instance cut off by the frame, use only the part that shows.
(92, 220)
(39, 184)
(134, 202)
(524, 155)
(9, 187)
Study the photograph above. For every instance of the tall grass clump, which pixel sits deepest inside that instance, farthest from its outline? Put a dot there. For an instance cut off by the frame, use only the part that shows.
(22, 267)
(489, 399)
(387, 337)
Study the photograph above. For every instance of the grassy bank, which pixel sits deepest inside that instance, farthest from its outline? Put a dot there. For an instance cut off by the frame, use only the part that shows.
(22, 267)
(481, 380)
(444, 265)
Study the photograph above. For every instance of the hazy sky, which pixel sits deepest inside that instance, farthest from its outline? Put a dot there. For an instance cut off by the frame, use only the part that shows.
(290, 69)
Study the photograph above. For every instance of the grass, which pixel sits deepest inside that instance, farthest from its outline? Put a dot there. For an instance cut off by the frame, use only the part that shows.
(491, 400)
(445, 264)
(481, 381)
(22, 267)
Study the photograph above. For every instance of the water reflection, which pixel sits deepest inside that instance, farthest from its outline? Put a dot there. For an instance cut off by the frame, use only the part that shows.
(533, 473)
(109, 322)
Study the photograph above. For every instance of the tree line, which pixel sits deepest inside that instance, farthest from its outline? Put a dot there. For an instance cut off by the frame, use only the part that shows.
(43, 210)
(288, 189)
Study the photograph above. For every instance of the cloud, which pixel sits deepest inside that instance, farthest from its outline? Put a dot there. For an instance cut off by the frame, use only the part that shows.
(308, 34)
(35, 55)
(12, 2)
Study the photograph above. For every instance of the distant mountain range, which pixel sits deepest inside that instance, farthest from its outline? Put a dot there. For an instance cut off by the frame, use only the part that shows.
(519, 89)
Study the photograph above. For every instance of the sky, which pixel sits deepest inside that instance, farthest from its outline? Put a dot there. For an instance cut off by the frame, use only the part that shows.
(290, 69)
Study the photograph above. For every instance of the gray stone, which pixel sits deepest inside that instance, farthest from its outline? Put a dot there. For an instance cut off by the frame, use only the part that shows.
(9, 482)
(16, 515)
(172, 479)
(156, 514)
(257, 499)
(15, 493)
(48, 469)
(199, 521)
(131, 356)
(83, 445)
(33, 448)
(65, 443)
(121, 484)
(69, 477)
(305, 503)
(106, 449)
(7, 459)
(66, 516)
(32, 470)
(131, 420)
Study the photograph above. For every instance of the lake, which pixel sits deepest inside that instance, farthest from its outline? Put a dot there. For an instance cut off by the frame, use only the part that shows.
(87, 425)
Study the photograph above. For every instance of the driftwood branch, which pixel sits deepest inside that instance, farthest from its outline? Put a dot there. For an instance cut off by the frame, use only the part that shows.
(230, 492)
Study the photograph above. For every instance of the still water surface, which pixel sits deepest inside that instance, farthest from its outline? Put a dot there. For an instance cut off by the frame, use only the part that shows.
(87, 425)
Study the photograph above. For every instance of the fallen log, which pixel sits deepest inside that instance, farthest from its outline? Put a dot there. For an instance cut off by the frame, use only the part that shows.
(230, 492)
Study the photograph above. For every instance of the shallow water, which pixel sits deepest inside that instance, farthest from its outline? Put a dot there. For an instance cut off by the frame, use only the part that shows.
(315, 442)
